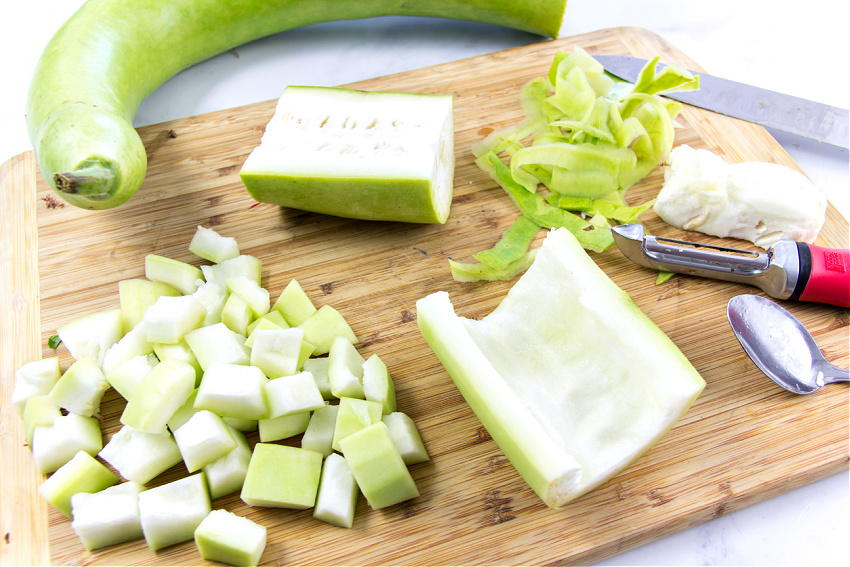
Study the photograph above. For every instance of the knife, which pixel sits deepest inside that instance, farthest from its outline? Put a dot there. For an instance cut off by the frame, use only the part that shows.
(786, 270)
(811, 120)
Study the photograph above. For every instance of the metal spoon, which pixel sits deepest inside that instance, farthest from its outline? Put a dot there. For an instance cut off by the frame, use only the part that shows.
(780, 345)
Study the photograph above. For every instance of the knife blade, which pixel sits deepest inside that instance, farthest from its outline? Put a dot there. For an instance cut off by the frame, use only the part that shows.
(786, 113)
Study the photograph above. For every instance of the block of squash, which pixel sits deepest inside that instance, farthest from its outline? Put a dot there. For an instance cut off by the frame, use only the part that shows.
(356, 154)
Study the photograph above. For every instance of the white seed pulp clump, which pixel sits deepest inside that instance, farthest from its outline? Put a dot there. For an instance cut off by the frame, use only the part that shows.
(755, 201)
(356, 154)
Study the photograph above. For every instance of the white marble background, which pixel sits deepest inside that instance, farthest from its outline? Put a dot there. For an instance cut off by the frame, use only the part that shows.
(799, 48)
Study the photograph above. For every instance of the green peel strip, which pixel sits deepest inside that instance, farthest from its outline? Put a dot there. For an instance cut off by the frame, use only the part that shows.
(534, 206)
(482, 272)
(673, 77)
(513, 245)
(623, 214)
(663, 276)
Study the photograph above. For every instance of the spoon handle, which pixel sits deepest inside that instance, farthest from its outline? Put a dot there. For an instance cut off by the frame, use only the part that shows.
(832, 373)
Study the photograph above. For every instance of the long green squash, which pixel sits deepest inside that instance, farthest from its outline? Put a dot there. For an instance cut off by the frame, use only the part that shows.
(111, 54)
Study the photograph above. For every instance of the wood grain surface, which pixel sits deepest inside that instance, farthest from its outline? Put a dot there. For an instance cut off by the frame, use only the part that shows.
(743, 441)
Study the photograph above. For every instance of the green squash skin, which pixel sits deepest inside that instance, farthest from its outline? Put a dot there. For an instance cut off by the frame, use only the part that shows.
(111, 54)
(400, 200)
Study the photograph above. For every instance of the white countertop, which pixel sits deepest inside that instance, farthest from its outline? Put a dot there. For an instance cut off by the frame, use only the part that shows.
(796, 48)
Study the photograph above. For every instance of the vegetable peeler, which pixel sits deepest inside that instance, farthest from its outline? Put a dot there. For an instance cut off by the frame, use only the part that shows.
(786, 270)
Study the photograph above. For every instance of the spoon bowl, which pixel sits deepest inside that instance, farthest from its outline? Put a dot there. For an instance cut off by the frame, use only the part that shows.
(780, 345)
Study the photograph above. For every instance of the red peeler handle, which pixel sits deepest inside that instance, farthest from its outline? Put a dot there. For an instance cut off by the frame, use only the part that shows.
(824, 275)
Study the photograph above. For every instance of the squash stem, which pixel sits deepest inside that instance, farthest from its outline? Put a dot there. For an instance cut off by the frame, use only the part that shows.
(92, 180)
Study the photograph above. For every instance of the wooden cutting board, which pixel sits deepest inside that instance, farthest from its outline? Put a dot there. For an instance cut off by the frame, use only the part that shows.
(745, 439)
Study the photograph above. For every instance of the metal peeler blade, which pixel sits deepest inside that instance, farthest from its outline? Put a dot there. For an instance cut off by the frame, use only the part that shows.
(775, 271)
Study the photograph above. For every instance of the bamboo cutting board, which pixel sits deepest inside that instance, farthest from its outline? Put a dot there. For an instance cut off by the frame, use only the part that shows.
(743, 441)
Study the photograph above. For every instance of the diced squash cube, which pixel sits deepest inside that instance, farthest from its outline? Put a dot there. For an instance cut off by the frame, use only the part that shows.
(184, 413)
(325, 325)
(171, 513)
(292, 394)
(378, 386)
(233, 390)
(92, 335)
(283, 427)
(83, 473)
(227, 538)
(241, 424)
(319, 434)
(210, 245)
(39, 411)
(107, 517)
(158, 395)
(34, 379)
(181, 276)
(81, 388)
(277, 352)
(294, 304)
(126, 377)
(249, 290)
(380, 472)
(180, 351)
(261, 325)
(217, 342)
(170, 318)
(134, 343)
(242, 265)
(136, 295)
(213, 297)
(236, 314)
(54, 445)
(345, 370)
(203, 439)
(226, 474)
(338, 493)
(318, 367)
(282, 477)
(406, 437)
(354, 414)
(272, 317)
(139, 456)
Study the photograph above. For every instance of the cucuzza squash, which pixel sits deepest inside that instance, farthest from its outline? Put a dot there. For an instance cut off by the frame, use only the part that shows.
(111, 54)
